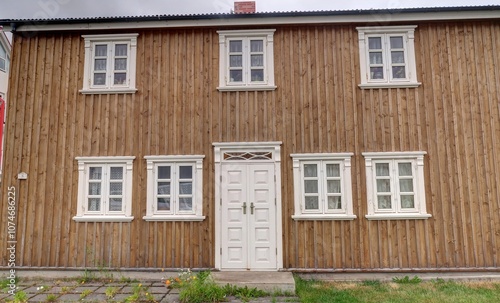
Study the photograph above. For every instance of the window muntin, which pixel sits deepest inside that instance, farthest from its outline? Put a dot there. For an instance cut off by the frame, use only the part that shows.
(110, 63)
(246, 60)
(322, 185)
(387, 56)
(395, 185)
(174, 188)
(105, 189)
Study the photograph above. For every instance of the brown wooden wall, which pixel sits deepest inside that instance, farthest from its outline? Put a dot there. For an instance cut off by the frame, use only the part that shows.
(454, 116)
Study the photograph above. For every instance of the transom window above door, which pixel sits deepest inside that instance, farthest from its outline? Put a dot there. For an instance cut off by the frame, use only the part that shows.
(246, 60)
(109, 63)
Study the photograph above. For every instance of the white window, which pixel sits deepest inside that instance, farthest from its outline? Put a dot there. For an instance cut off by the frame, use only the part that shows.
(4, 60)
(104, 189)
(110, 63)
(322, 186)
(395, 185)
(175, 188)
(387, 56)
(246, 60)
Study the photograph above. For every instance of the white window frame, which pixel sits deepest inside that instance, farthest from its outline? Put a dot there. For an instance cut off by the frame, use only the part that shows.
(396, 212)
(225, 36)
(110, 40)
(344, 160)
(174, 214)
(104, 215)
(385, 32)
(5, 59)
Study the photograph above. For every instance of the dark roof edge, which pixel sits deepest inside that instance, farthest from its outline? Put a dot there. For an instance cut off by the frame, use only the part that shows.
(19, 22)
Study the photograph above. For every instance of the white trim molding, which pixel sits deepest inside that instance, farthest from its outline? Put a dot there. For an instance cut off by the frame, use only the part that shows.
(395, 185)
(104, 192)
(173, 192)
(387, 57)
(340, 196)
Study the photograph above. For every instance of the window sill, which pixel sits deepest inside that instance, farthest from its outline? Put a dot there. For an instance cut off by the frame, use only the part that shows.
(103, 218)
(329, 217)
(390, 85)
(174, 218)
(125, 90)
(398, 216)
(246, 88)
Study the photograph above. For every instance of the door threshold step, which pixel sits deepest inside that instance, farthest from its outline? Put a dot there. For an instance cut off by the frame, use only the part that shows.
(265, 280)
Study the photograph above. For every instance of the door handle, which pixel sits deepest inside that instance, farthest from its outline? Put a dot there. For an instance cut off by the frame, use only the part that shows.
(251, 208)
(244, 208)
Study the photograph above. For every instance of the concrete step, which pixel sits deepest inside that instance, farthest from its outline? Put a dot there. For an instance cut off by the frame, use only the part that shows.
(264, 280)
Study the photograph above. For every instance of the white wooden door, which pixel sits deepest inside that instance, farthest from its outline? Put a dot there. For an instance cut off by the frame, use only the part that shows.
(248, 214)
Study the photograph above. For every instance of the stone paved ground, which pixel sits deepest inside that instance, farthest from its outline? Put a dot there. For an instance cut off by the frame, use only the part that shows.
(112, 291)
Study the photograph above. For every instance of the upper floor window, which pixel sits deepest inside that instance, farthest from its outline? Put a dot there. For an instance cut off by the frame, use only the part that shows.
(104, 189)
(4, 59)
(174, 190)
(322, 186)
(395, 185)
(110, 63)
(246, 60)
(387, 56)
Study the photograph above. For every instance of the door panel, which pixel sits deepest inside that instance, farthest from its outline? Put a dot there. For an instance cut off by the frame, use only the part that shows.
(248, 235)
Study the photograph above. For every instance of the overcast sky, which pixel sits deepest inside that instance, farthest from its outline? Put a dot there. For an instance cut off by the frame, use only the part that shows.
(42, 9)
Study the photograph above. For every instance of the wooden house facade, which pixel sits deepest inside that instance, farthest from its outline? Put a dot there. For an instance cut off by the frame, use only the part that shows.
(324, 141)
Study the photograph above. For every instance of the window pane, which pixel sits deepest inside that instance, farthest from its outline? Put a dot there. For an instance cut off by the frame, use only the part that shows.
(185, 203)
(94, 189)
(235, 46)
(120, 78)
(376, 58)
(163, 172)
(3, 52)
(121, 50)
(186, 188)
(312, 203)
(186, 172)
(397, 57)
(405, 169)
(163, 188)
(163, 204)
(235, 61)
(398, 72)
(333, 186)
(236, 75)
(310, 170)
(406, 185)
(101, 50)
(100, 64)
(334, 202)
(256, 46)
(257, 75)
(333, 170)
(115, 189)
(384, 202)
(376, 73)
(257, 60)
(311, 186)
(397, 42)
(120, 64)
(115, 204)
(382, 169)
(407, 201)
(95, 173)
(384, 186)
(2, 64)
(375, 43)
(99, 79)
(94, 204)
(116, 173)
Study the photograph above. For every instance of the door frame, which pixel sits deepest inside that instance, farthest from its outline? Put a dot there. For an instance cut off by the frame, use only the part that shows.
(219, 149)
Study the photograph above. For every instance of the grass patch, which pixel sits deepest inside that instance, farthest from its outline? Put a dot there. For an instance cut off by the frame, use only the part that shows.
(437, 291)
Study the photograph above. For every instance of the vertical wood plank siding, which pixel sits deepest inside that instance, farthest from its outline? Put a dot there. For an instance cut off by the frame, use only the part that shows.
(317, 108)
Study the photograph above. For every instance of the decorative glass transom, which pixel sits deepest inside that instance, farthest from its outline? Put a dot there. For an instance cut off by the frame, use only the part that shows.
(254, 155)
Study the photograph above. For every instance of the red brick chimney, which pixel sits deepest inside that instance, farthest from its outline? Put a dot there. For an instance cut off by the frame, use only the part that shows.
(244, 7)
